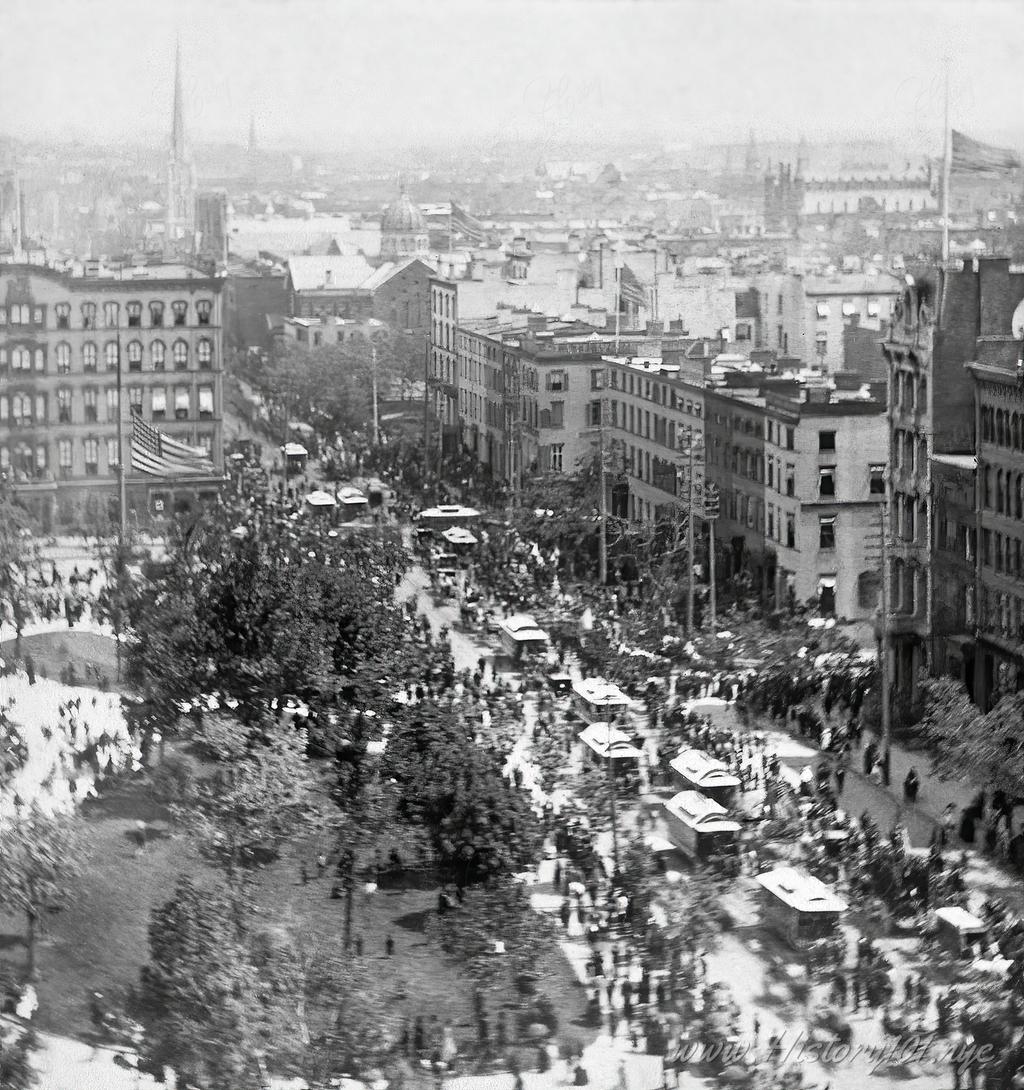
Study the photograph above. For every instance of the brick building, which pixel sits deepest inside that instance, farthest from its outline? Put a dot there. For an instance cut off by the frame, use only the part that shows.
(64, 337)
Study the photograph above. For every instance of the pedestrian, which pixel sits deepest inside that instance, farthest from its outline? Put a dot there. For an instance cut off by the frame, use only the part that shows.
(321, 865)
(911, 786)
(359, 946)
(304, 874)
(389, 946)
(840, 776)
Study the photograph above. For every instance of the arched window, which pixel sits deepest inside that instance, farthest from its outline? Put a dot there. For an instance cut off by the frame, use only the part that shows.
(986, 488)
(1018, 497)
(158, 354)
(1015, 429)
(62, 354)
(179, 308)
(999, 492)
(21, 409)
(204, 352)
(111, 353)
(39, 359)
(203, 309)
(135, 355)
(21, 360)
(156, 314)
(180, 355)
(110, 315)
(88, 356)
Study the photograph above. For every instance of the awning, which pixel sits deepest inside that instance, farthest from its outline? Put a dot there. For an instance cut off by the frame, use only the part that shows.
(320, 498)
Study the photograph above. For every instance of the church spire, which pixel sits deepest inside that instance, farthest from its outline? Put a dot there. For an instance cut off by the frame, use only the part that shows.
(178, 117)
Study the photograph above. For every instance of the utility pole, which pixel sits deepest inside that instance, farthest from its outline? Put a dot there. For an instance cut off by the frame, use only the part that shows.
(602, 504)
(122, 488)
(692, 451)
(611, 794)
(711, 512)
(376, 410)
(883, 654)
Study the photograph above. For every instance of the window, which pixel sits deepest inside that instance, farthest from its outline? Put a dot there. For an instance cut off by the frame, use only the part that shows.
(790, 479)
(826, 481)
(135, 355)
(558, 381)
(203, 309)
(849, 308)
(790, 439)
(826, 440)
(21, 360)
(62, 353)
(557, 452)
(204, 352)
(156, 314)
(205, 402)
(92, 457)
(779, 304)
(112, 404)
(64, 406)
(159, 402)
(181, 403)
(158, 354)
(20, 315)
(179, 308)
(134, 312)
(135, 400)
(39, 360)
(111, 353)
(790, 530)
(770, 526)
(111, 313)
(822, 310)
(89, 357)
(597, 379)
(771, 472)
(112, 458)
(877, 480)
(21, 410)
(40, 417)
(827, 532)
(64, 457)
(180, 355)
(91, 400)
(63, 311)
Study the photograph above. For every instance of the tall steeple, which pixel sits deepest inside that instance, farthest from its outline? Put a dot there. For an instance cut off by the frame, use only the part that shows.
(178, 116)
(179, 214)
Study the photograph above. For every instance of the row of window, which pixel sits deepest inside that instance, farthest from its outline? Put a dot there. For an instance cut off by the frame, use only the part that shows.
(909, 392)
(781, 436)
(23, 359)
(24, 462)
(1003, 428)
(1002, 552)
(25, 410)
(1001, 614)
(908, 518)
(27, 314)
(909, 451)
(1002, 492)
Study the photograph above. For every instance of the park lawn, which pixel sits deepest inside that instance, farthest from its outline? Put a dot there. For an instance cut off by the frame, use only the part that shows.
(52, 651)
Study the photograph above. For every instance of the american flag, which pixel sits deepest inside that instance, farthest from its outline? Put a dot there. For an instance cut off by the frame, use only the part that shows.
(157, 455)
(973, 157)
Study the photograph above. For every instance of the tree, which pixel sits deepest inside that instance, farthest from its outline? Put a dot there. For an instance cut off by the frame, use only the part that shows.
(984, 749)
(258, 794)
(214, 1010)
(116, 602)
(480, 826)
(16, 1070)
(40, 862)
(497, 913)
(16, 554)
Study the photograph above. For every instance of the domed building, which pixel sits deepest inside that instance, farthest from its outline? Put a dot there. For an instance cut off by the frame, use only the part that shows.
(403, 231)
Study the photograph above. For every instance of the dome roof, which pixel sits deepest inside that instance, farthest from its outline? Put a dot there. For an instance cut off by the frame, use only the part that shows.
(403, 216)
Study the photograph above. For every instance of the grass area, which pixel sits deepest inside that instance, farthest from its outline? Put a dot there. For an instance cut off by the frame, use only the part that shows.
(99, 939)
(53, 651)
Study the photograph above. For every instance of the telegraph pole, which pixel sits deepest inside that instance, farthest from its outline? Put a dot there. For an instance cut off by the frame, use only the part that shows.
(602, 504)
(884, 664)
(122, 488)
(376, 410)
(711, 512)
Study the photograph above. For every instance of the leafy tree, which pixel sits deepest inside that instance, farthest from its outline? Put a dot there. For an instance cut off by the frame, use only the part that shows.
(984, 749)
(257, 795)
(214, 1009)
(497, 913)
(40, 863)
(479, 825)
(16, 554)
(116, 602)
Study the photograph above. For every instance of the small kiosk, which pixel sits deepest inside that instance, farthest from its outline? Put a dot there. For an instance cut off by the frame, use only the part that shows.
(698, 826)
(798, 906)
(521, 635)
(694, 770)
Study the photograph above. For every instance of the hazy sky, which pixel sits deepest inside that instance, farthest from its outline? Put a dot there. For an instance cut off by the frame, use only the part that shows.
(338, 72)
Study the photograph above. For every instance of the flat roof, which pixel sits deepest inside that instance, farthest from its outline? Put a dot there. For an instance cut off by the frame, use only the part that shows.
(595, 690)
(698, 810)
(703, 770)
(800, 890)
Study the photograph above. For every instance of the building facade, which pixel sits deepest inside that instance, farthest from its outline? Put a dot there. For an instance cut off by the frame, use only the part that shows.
(444, 392)
(65, 342)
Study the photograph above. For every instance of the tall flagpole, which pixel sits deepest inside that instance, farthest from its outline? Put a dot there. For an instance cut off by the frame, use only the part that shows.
(121, 483)
(946, 167)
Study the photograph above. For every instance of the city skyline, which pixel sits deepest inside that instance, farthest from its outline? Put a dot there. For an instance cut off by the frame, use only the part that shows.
(558, 72)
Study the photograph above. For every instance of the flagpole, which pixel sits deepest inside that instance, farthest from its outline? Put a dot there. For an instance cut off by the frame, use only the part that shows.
(946, 171)
(122, 488)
